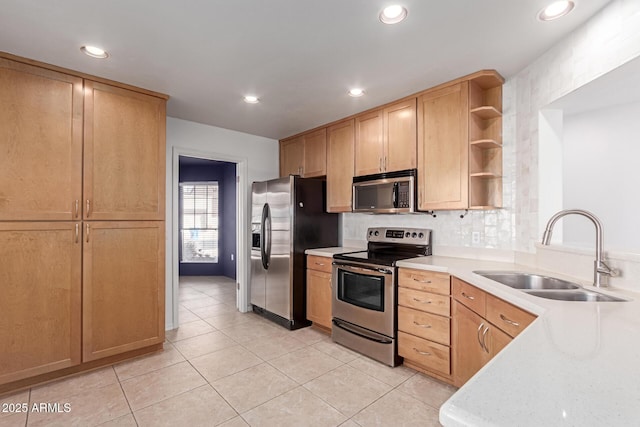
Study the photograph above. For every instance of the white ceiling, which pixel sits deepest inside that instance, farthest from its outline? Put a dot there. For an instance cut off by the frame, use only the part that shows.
(299, 56)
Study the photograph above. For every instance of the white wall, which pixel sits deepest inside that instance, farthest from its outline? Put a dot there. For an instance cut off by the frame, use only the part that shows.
(259, 154)
(601, 162)
(606, 41)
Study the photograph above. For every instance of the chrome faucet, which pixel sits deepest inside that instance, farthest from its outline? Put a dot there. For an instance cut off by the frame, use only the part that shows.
(601, 271)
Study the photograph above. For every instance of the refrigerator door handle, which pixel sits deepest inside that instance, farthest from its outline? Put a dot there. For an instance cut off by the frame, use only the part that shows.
(268, 230)
(263, 240)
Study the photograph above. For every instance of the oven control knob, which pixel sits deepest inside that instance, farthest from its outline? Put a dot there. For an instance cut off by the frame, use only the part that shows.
(407, 235)
(414, 234)
(376, 233)
(421, 235)
(371, 233)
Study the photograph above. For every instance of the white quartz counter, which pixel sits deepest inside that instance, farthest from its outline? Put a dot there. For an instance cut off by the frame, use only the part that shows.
(330, 252)
(578, 364)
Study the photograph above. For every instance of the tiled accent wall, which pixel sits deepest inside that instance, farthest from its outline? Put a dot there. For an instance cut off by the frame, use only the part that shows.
(606, 41)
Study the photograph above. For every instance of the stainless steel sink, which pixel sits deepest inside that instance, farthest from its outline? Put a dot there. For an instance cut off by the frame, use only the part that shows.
(546, 287)
(575, 295)
(518, 280)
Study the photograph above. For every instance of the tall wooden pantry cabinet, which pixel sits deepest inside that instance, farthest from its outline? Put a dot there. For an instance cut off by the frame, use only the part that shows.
(82, 176)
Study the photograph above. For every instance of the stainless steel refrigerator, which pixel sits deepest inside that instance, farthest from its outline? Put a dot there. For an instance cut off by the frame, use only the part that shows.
(287, 217)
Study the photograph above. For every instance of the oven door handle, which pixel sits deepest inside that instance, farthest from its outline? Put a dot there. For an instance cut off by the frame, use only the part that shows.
(363, 269)
(360, 332)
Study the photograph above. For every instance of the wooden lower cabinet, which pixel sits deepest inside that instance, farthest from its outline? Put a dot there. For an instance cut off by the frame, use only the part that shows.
(424, 321)
(123, 287)
(40, 284)
(482, 326)
(425, 353)
(319, 293)
(471, 355)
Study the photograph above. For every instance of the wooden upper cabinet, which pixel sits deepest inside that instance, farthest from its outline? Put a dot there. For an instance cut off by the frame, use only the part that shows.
(124, 154)
(386, 139)
(123, 287)
(369, 147)
(291, 156)
(40, 143)
(315, 154)
(400, 136)
(443, 154)
(340, 163)
(40, 273)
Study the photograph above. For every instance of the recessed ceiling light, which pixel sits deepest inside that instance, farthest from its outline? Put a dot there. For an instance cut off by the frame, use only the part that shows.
(94, 52)
(393, 14)
(356, 92)
(250, 99)
(556, 10)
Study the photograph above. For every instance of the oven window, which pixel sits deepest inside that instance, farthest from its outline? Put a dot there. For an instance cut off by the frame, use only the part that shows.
(362, 290)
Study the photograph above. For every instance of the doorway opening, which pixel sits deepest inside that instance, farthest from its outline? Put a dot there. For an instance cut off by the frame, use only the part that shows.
(206, 238)
(207, 276)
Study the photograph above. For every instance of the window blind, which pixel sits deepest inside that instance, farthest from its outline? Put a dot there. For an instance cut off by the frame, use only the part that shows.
(199, 230)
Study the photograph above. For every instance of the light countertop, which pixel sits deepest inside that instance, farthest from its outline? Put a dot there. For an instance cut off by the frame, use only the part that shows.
(329, 252)
(578, 364)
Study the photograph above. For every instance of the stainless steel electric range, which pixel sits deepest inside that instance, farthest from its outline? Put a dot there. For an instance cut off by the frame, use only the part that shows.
(365, 291)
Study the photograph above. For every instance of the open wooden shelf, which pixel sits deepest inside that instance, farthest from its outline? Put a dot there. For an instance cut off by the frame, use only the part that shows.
(485, 143)
(486, 112)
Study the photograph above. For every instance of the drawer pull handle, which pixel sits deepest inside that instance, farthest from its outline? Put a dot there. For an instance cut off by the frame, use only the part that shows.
(424, 353)
(319, 263)
(421, 325)
(468, 296)
(421, 281)
(511, 322)
(421, 300)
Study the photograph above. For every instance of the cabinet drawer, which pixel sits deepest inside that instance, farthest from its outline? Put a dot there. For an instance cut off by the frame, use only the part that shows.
(319, 263)
(424, 325)
(469, 295)
(435, 357)
(507, 317)
(425, 301)
(429, 281)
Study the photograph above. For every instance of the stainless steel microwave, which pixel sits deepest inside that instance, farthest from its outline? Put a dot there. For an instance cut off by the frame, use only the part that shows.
(393, 192)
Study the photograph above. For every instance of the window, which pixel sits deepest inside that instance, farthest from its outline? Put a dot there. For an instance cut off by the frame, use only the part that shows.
(199, 221)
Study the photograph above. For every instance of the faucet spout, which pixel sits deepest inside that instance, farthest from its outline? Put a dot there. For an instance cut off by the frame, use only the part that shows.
(601, 271)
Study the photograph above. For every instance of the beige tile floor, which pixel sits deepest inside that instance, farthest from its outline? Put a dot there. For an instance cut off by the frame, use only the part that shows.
(223, 367)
